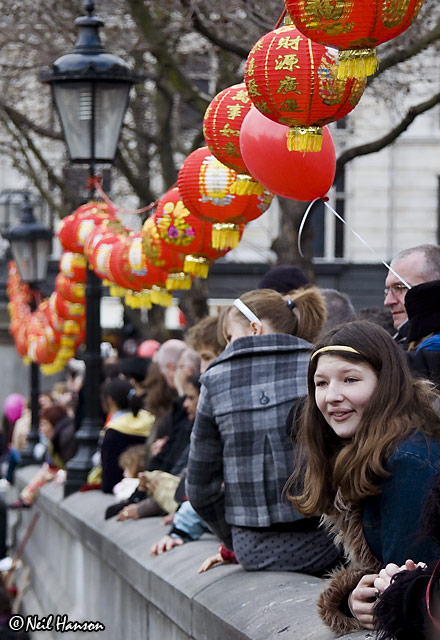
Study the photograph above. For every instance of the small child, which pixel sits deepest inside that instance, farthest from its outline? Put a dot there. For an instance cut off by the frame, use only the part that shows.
(132, 461)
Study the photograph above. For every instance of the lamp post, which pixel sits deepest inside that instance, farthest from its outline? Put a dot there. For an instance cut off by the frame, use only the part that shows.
(90, 89)
(30, 243)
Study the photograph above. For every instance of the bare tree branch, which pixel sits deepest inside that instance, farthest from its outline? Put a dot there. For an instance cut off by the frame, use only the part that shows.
(372, 147)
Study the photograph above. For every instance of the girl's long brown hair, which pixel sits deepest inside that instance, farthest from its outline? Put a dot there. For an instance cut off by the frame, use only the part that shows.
(329, 468)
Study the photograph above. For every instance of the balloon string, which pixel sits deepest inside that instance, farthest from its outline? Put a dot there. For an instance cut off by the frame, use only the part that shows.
(353, 231)
(95, 182)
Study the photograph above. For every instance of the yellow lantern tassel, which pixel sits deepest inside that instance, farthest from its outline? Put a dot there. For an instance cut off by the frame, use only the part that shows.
(138, 299)
(225, 236)
(178, 281)
(79, 290)
(198, 267)
(246, 186)
(26, 360)
(71, 327)
(304, 139)
(117, 292)
(357, 63)
(67, 341)
(161, 297)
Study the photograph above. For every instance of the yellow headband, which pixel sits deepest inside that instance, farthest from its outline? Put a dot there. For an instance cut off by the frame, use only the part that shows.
(335, 347)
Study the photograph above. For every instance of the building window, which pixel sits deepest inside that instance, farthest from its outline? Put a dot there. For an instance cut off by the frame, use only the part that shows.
(328, 232)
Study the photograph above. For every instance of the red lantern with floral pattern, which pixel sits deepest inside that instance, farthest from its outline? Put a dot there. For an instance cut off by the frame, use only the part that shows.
(292, 81)
(355, 27)
(186, 234)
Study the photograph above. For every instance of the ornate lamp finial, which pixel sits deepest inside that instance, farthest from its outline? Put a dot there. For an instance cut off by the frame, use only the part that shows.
(90, 7)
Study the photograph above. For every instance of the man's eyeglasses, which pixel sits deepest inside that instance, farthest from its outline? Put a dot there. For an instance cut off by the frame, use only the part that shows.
(433, 578)
(396, 290)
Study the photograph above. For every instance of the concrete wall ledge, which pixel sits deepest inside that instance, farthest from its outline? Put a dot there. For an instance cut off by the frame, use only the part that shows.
(97, 570)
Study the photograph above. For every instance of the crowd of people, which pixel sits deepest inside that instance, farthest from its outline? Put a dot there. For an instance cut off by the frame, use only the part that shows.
(302, 434)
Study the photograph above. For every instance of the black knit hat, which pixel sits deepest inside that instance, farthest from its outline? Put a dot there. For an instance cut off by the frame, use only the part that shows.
(283, 278)
(422, 304)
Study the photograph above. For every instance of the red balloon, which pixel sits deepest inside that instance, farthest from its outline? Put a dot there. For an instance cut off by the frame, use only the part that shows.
(293, 174)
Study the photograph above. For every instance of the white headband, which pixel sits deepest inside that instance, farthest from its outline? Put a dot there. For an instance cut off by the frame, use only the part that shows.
(250, 315)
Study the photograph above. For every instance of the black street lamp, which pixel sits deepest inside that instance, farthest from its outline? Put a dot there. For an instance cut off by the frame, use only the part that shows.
(90, 89)
(30, 243)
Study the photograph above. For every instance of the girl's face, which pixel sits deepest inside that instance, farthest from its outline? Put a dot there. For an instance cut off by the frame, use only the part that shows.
(191, 399)
(342, 391)
(46, 429)
(237, 326)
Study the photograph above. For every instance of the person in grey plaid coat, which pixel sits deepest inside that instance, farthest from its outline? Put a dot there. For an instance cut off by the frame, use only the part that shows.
(241, 455)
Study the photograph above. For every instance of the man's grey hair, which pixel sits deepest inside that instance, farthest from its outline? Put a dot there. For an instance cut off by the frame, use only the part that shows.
(431, 253)
(339, 308)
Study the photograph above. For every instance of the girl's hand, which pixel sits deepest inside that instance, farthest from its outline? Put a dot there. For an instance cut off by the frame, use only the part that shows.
(383, 580)
(210, 562)
(165, 544)
(362, 599)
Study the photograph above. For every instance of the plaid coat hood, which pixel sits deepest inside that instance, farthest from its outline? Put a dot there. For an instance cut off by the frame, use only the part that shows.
(240, 437)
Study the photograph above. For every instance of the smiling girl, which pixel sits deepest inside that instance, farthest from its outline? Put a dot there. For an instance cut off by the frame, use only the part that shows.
(369, 447)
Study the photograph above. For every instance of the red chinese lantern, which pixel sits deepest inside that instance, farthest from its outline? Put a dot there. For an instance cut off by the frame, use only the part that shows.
(355, 27)
(98, 247)
(221, 129)
(186, 234)
(74, 229)
(73, 266)
(69, 289)
(143, 282)
(292, 174)
(65, 309)
(161, 255)
(207, 189)
(292, 81)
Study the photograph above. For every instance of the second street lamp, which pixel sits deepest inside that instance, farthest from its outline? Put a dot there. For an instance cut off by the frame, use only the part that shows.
(30, 243)
(90, 89)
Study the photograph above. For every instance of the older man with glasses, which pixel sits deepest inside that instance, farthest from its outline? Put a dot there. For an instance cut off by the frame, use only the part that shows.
(414, 266)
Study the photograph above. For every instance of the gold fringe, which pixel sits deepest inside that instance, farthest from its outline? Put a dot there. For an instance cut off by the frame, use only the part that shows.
(161, 297)
(138, 299)
(178, 281)
(225, 236)
(67, 341)
(357, 63)
(71, 327)
(198, 267)
(307, 139)
(117, 292)
(246, 186)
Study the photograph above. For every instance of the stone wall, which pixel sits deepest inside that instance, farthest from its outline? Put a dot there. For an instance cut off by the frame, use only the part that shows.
(98, 570)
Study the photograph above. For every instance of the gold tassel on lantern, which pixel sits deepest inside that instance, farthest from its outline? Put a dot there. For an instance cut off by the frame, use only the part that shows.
(138, 299)
(117, 292)
(161, 297)
(198, 267)
(225, 235)
(246, 186)
(304, 139)
(71, 327)
(178, 281)
(357, 63)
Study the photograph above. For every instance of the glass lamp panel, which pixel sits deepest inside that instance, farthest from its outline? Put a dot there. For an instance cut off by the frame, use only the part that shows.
(32, 258)
(74, 104)
(111, 104)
